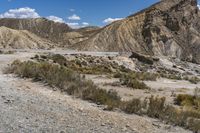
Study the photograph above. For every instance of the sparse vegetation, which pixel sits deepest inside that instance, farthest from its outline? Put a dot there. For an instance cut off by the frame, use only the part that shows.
(177, 76)
(134, 79)
(7, 52)
(66, 80)
(134, 83)
(69, 81)
(188, 101)
(157, 108)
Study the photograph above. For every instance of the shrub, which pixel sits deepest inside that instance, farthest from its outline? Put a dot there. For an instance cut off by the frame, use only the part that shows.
(194, 80)
(57, 58)
(188, 101)
(135, 84)
(135, 106)
(156, 107)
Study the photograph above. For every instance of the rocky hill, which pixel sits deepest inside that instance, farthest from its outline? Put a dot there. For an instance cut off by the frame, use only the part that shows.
(170, 27)
(18, 39)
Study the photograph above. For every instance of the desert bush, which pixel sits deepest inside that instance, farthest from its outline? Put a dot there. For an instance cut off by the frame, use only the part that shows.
(145, 76)
(188, 101)
(156, 107)
(135, 106)
(194, 80)
(57, 58)
(134, 83)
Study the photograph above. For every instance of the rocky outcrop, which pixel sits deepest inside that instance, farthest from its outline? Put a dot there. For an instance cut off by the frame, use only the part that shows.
(168, 28)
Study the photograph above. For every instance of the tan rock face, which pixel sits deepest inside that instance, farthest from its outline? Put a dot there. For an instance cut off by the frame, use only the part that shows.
(169, 28)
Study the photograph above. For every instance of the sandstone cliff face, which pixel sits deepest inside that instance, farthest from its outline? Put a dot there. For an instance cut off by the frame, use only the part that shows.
(168, 28)
(17, 39)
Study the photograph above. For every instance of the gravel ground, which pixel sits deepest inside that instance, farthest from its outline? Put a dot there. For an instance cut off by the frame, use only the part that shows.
(28, 107)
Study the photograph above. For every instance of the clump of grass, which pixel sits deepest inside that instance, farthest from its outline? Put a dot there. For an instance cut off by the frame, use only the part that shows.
(188, 101)
(134, 79)
(145, 76)
(171, 74)
(135, 106)
(134, 83)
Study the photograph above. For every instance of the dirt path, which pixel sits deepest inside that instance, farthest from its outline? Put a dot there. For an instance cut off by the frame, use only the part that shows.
(27, 107)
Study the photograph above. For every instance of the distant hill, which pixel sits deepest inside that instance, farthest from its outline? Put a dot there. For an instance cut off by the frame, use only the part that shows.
(18, 39)
(39, 26)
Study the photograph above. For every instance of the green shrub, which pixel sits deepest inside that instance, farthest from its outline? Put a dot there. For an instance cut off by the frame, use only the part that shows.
(135, 84)
(156, 107)
(57, 58)
(135, 106)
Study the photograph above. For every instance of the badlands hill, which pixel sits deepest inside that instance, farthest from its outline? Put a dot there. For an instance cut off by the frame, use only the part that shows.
(18, 39)
(58, 33)
(170, 27)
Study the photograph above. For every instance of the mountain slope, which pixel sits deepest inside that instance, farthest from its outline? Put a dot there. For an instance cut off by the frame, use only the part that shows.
(18, 39)
(40, 26)
(168, 28)
(59, 33)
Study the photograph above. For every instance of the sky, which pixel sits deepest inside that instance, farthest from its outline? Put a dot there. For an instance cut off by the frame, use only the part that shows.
(76, 13)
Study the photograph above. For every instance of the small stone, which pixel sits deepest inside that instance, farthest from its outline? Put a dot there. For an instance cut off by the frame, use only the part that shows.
(103, 124)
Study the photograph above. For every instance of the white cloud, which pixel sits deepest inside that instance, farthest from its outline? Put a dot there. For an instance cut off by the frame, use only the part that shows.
(74, 25)
(78, 25)
(198, 6)
(74, 17)
(72, 10)
(25, 12)
(56, 19)
(110, 20)
(85, 24)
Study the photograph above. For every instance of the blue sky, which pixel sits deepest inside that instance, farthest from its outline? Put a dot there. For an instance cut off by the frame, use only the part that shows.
(77, 12)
